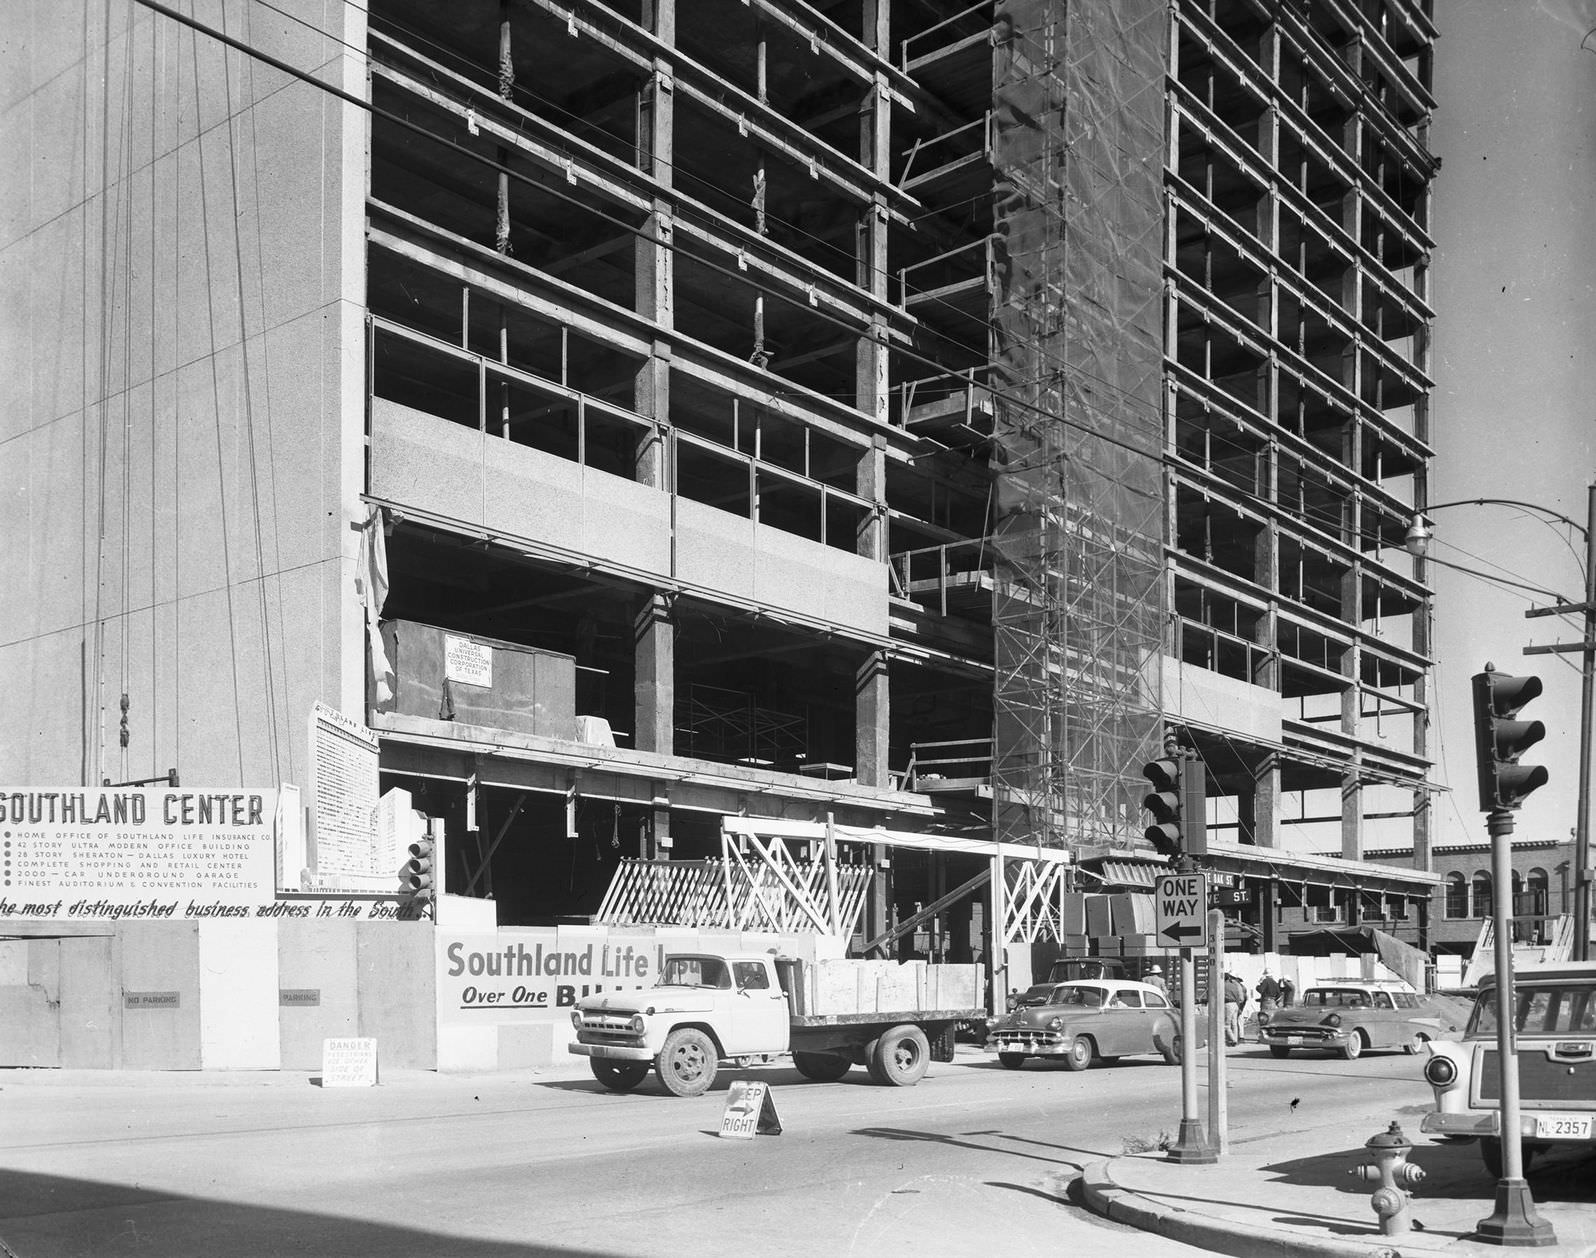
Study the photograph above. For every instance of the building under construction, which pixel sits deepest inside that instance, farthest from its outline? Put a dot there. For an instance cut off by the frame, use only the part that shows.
(884, 415)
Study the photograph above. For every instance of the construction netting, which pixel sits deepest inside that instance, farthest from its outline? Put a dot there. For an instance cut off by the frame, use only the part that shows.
(1078, 428)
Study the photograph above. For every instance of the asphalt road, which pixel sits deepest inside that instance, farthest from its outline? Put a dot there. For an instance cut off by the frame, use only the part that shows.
(973, 1159)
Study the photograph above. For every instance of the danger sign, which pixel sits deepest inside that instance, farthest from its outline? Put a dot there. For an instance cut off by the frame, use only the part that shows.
(1181, 901)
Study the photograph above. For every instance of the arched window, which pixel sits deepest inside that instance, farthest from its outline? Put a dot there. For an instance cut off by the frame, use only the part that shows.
(1537, 893)
(1480, 900)
(1457, 896)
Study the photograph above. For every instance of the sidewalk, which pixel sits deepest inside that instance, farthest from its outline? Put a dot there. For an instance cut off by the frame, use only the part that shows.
(1292, 1195)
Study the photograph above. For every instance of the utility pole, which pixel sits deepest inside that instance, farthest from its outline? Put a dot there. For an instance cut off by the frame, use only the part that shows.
(1587, 649)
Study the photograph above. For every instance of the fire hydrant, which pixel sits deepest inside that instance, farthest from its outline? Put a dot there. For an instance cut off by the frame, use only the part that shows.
(1395, 1175)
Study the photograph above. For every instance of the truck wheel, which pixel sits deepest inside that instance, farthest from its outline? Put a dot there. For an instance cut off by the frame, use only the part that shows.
(1080, 1055)
(618, 1076)
(901, 1056)
(686, 1065)
(1011, 1061)
(871, 1068)
(821, 1067)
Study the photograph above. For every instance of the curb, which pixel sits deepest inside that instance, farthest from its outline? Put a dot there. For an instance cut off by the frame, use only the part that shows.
(1205, 1231)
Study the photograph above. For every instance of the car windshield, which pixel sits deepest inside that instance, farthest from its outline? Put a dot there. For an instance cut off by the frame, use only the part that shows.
(694, 972)
(1089, 996)
(1336, 998)
(1540, 1010)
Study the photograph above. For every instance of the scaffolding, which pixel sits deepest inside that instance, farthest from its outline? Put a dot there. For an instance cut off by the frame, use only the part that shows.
(1077, 434)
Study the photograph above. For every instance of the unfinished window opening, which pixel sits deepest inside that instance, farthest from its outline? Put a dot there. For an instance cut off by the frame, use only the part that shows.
(425, 378)
(1219, 633)
(942, 729)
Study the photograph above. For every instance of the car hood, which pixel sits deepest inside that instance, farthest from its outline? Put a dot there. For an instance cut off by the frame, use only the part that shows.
(1306, 1017)
(1036, 1017)
(660, 999)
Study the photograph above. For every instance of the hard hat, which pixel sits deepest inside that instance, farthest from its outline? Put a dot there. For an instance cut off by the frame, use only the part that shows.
(1156, 970)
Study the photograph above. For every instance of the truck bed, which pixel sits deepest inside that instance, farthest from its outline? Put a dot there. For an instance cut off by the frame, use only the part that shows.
(885, 1017)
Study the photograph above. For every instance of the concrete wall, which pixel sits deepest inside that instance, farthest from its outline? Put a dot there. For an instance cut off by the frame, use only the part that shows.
(427, 462)
(181, 280)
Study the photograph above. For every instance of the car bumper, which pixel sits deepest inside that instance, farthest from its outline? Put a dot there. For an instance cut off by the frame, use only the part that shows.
(1540, 1126)
(1042, 1045)
(1296, 1038)
(612, 1052)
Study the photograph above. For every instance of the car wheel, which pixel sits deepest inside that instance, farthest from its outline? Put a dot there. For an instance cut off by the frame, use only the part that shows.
(618, 1076)
(901, 1056)
(1011, 1061)
(1172, 1051)
(1080, 1055)
(687, 1063)
(1279, 1050)
(1416, 1044)
(821, 1067)
(1356, 1043)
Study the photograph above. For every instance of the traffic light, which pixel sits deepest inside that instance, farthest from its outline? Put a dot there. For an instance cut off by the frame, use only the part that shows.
(1499, 740)
(1178, 802)
(415, 876)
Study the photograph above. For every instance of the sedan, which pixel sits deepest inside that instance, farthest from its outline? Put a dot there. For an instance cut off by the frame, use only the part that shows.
(1087, 1020)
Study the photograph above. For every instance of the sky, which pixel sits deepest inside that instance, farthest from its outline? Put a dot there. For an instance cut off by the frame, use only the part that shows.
(1514, 360)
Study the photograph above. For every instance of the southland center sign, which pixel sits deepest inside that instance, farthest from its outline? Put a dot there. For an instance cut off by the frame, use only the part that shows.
(117, 853)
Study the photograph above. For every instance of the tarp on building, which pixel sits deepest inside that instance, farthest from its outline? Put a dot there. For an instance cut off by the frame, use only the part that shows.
(1397, 956)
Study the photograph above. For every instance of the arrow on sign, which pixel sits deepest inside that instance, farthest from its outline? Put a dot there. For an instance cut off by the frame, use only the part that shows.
(1181, 930)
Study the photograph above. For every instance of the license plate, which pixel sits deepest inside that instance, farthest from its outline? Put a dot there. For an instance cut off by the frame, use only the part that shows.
(1293, 1041)
(1563, 1126)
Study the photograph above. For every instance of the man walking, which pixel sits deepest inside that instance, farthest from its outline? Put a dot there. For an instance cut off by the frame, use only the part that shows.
(1155, 977)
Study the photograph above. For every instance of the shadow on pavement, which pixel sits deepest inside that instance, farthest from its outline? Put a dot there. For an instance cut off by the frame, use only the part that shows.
(1452, 1171)
(997, 1146)
(52, 1216)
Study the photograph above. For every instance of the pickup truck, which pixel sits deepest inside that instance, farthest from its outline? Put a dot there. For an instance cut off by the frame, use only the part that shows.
(1554, 1015)
(753, 1008)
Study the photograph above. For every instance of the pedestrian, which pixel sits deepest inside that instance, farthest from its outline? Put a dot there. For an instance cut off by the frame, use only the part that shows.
(1155, 978)
(1235, 998)
(1288, 992)
(1268, 996)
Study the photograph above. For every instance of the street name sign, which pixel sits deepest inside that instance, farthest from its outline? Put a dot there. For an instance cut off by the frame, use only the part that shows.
(1181, 901)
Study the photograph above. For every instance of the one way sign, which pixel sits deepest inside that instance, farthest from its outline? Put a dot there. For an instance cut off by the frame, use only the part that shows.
(1182, 901)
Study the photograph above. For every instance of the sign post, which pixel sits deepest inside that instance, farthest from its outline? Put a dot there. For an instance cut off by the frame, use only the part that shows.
(1181, 900)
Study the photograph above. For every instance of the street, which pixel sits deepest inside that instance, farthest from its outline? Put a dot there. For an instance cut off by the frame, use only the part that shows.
(550, 1164)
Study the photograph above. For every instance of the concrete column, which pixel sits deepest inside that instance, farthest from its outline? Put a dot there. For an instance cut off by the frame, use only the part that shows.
(1351, 815)
(1259, 807)
(654, 685)
(872, 722)
(653, 259)
(870, 482)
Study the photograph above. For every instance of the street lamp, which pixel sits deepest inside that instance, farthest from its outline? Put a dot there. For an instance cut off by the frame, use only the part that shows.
(1417, 540)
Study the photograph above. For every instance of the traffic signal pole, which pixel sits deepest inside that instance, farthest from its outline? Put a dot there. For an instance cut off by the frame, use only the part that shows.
(1515, 1220)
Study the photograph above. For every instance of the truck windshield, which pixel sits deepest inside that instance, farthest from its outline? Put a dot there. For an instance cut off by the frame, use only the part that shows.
(695, 972)
(1561, 1010)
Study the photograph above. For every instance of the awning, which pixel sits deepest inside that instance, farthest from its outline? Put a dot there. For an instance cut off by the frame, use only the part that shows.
(1127, 874)
(1318, 871)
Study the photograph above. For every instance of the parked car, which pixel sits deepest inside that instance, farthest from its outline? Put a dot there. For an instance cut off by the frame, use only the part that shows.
(1087, 1020)
(1350, 1017)
(1555, 1016)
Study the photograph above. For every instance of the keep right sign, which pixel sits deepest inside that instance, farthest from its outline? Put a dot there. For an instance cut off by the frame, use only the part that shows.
(1182, 902)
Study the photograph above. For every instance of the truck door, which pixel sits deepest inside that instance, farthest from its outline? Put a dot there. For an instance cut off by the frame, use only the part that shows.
(759, 1010)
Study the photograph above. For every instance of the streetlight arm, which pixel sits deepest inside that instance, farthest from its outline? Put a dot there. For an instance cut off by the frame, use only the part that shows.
(1506, 502)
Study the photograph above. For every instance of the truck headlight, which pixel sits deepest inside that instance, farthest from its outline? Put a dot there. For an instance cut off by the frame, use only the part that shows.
(576, 1019)
(1440, 1071)
(637, 1024)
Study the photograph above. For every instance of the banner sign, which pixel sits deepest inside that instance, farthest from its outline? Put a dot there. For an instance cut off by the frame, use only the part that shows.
(136, 852)
(536, 974)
